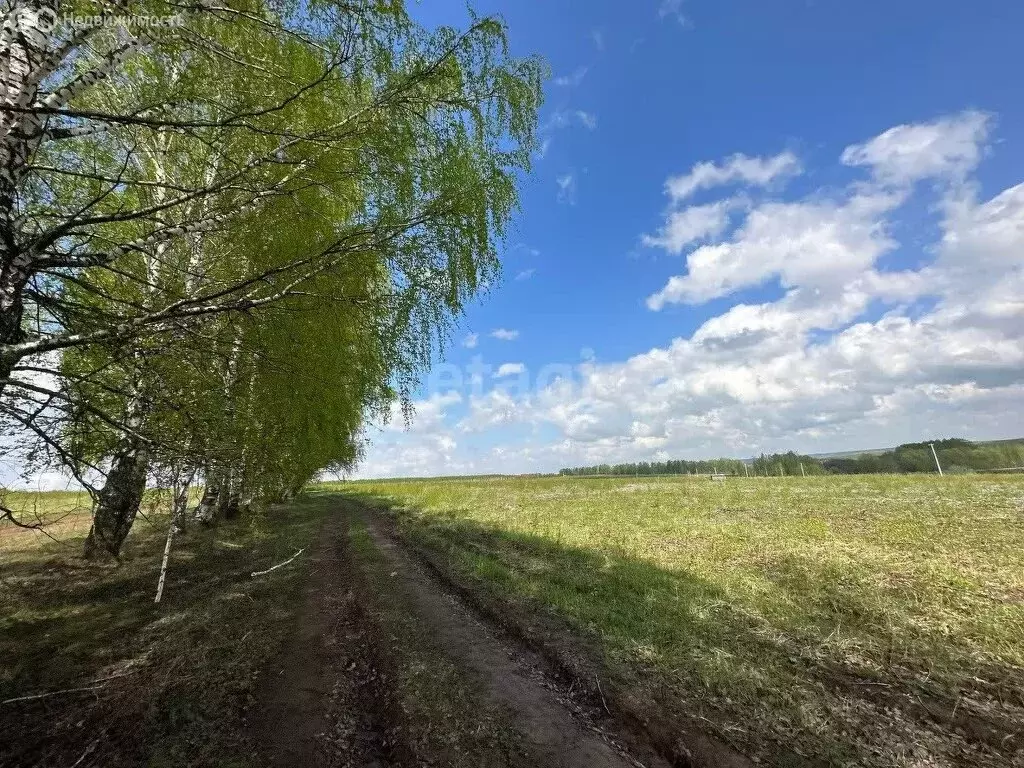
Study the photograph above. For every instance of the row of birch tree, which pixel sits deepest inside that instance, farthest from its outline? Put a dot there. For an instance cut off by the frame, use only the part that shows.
(231, 231)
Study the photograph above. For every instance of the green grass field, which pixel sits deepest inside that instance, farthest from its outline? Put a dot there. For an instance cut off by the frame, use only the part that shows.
(871, 620)
(64, 514)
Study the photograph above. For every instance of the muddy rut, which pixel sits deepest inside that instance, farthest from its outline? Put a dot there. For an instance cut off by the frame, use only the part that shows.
(338, 695)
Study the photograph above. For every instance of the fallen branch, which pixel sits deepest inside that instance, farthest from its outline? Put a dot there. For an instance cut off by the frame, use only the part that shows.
(279, 565)
(92, 686)
(163, 565)
(88, 751)
(51, 693)
(598, 680)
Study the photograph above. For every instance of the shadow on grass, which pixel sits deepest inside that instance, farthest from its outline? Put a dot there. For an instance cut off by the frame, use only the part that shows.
(767, 682)
(173, 678)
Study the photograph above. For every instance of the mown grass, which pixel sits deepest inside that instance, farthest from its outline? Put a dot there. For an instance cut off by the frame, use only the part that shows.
(871, 620)
(167, 684)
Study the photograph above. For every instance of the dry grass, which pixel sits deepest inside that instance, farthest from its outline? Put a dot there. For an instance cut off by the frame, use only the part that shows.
(173, 679)
(870, 620)
(64, 515)
(64, 518)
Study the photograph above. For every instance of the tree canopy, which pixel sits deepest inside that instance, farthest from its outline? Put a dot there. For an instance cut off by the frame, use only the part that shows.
(227, 240)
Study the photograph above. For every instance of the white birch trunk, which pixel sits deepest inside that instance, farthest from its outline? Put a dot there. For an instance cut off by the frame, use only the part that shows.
(171, 529)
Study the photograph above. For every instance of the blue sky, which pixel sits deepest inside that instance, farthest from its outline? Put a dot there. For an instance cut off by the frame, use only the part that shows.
(754, 226)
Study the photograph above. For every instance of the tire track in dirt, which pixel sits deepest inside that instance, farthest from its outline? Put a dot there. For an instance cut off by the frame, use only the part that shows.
(506, 676)
(323, 701)
(331, 697)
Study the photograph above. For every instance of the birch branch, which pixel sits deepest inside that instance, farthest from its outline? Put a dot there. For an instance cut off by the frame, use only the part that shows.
(279, 565)
(167, 556)
(94, 685)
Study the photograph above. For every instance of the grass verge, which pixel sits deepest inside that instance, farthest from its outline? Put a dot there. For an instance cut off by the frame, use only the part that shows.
(120, 681)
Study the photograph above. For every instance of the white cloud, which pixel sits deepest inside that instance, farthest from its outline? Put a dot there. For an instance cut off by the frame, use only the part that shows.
(566, 188)
(427, 414)
(755, 171)
(496, 408)
(689, 225)
(684, 225)
(597, 36)
(851, 354)
(673, 9)
(528, 250)
(504, 334)
(572, 79)
(471, 340)
(587, 119)
(818, 245)
(908, 153)
(509, 369)
(526, 274)
(563, 118)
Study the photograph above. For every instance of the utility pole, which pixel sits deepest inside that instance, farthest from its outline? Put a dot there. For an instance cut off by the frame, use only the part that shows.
(745, 473)
(936, 457)
(802, 473)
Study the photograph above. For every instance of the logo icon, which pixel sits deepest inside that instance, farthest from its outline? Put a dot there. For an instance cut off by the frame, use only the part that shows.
(46, 19)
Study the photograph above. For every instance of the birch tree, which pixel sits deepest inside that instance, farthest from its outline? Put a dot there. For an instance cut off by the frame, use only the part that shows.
(143, 168)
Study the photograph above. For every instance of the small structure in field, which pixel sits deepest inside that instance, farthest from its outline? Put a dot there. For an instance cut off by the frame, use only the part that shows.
(718, 476)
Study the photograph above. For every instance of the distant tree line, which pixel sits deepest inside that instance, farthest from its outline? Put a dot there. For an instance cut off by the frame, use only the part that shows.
(786, 464)
(956, 456)
(673, 467)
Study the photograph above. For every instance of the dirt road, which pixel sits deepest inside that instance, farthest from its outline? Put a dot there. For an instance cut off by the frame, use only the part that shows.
(387, 667)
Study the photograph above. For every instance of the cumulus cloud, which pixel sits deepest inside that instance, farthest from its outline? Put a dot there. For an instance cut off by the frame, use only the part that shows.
(509, 369)
(755, 171)
(504, 334)
(426, 416)
(471, 340)
(852, 353)
(688, 225)
(908, 153)
(818, 245)
(525, 274)
(685, 225)
(495, 409)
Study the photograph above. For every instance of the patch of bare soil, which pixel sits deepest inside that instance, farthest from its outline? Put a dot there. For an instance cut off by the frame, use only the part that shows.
(387, 667)
(555, 729)
(324, 700)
